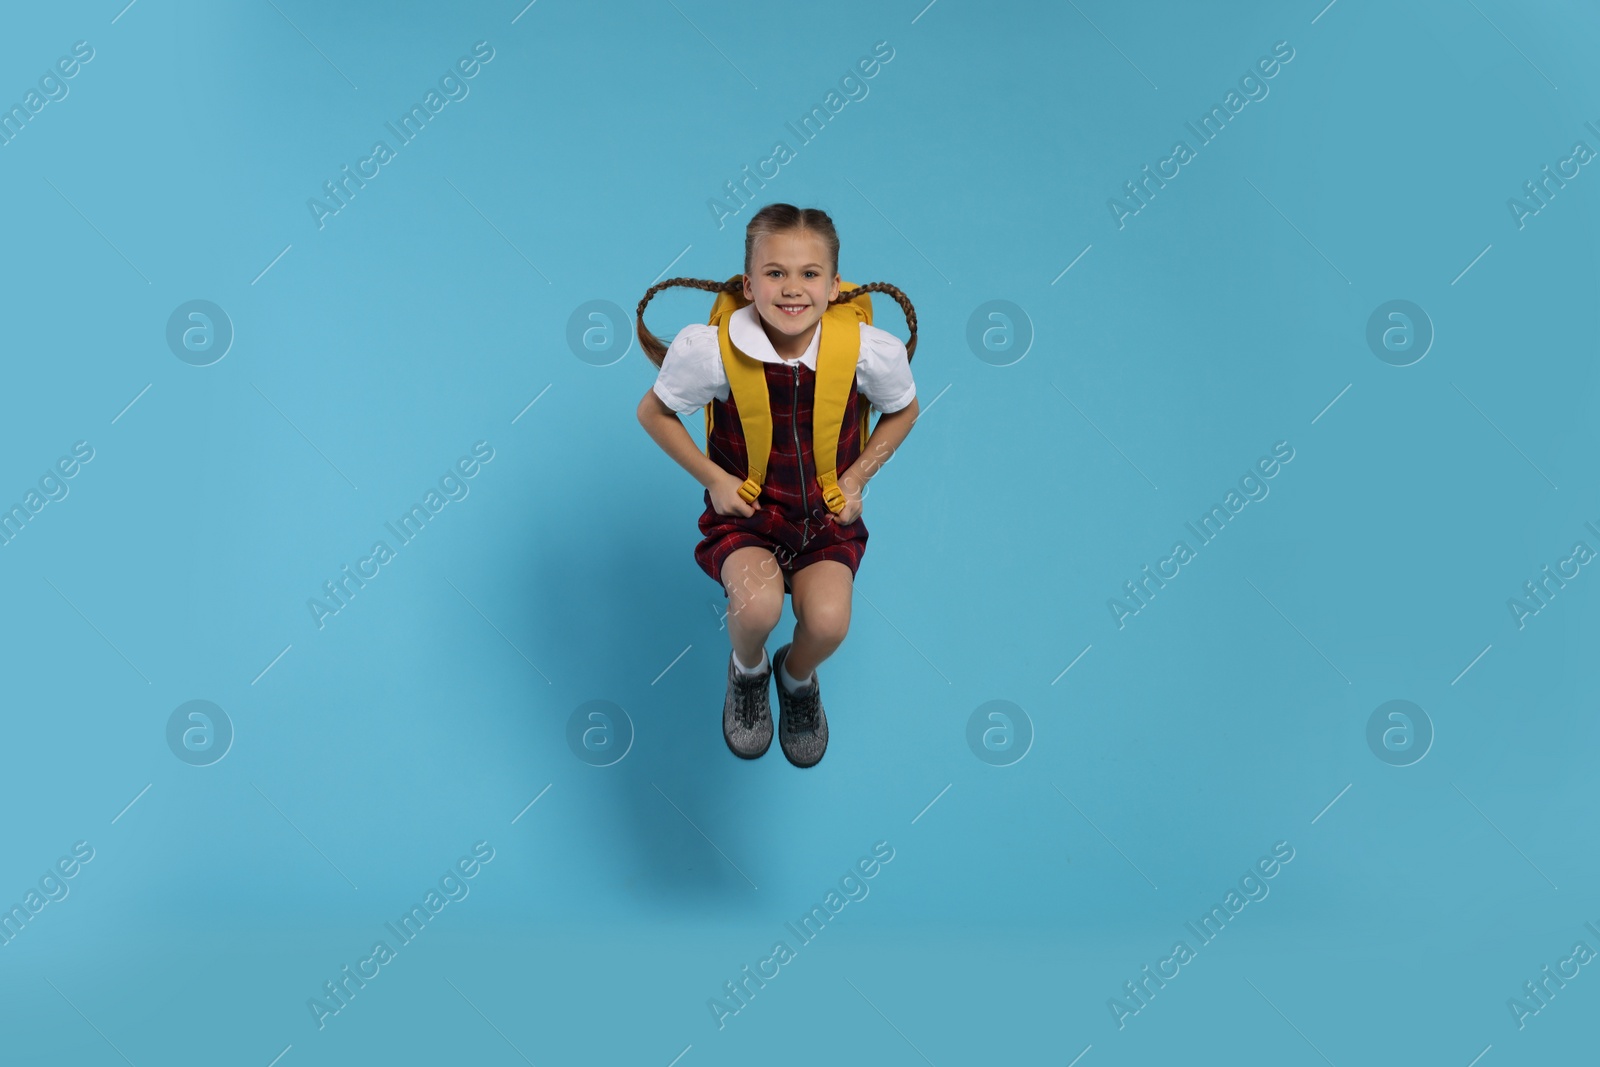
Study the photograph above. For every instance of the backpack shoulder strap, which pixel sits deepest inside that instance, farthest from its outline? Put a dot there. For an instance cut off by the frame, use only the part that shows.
(837, 356)
(747, 384)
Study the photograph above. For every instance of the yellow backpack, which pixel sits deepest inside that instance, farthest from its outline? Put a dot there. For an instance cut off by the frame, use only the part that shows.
(837, 353)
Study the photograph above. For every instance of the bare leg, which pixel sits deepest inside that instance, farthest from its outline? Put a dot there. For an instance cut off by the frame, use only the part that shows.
(821, 597)
(755, 599)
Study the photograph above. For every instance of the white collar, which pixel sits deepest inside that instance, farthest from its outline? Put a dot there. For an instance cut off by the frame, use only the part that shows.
(748, 335)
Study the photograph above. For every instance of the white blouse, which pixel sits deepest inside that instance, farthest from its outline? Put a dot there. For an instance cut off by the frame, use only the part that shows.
(692, 371)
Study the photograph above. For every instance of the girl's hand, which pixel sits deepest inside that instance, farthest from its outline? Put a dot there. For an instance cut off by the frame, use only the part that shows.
(725, 498)
(852, 504)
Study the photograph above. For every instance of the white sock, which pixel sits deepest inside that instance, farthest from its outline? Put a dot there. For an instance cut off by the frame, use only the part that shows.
(757, 669)
(791, 683)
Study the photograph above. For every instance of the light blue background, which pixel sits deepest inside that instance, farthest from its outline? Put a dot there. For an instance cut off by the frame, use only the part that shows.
(427, 315)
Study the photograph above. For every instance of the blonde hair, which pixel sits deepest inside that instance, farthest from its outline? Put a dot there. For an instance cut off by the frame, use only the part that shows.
(786, 218)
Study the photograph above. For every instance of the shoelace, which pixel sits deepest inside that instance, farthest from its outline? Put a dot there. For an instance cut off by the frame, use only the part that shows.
(806, 703)
(745, 704)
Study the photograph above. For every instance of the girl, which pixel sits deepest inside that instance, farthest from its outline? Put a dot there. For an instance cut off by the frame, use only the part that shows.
(788, 527)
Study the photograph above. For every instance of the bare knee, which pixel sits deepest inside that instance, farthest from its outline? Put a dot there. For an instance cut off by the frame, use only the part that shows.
(758, 607)
(827, 619)
(755, 590)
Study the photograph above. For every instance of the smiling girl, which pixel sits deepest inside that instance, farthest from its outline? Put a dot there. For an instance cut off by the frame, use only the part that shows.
(781, 523)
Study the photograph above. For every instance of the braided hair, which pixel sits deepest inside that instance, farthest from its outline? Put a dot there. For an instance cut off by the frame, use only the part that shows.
(772, 219)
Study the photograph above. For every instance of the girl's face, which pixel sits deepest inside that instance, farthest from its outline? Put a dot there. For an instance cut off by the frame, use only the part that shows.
(791, 285)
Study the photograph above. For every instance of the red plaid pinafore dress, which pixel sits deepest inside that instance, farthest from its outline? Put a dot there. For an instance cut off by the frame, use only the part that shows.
(790, 518)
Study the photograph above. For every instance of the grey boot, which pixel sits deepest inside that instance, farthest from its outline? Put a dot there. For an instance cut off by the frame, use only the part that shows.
(746, 714)
(802, 724)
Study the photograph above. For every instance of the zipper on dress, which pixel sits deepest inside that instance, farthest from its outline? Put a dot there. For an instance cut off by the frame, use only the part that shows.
(794, 423)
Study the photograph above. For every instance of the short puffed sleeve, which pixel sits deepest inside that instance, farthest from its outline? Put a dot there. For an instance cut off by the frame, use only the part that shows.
(883, 371)
(691, 373)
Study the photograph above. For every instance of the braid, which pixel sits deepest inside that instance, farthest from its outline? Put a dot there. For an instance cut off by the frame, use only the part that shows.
(900, 298)
(654, 350)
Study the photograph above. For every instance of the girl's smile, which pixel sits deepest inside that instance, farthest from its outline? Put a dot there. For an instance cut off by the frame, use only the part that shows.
(791, 289)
